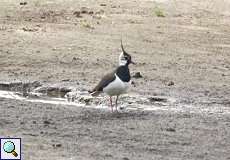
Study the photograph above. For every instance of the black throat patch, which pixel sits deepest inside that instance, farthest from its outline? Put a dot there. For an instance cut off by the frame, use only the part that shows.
(123, 73)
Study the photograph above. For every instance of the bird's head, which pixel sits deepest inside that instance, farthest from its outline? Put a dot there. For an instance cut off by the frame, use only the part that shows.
(124, 58)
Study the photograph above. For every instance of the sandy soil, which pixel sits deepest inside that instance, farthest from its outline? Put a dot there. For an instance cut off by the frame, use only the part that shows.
(79, 41)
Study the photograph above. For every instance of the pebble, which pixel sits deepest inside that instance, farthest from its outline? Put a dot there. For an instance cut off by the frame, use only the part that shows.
(102, 4)
(47, 122)
(84, 10)
(77, 14)
(157, 99)
(23, 3)
(171, 83)
(65, 80)
(137, 75)
(170, 130)
(57, 145)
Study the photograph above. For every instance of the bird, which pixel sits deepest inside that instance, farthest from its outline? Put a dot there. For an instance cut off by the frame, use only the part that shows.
(116, 82)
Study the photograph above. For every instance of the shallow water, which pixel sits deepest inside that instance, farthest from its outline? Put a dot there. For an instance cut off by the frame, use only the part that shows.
(66, 94)
(131, 102)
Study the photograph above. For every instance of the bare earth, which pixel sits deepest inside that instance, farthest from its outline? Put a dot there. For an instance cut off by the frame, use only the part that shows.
(184, 55)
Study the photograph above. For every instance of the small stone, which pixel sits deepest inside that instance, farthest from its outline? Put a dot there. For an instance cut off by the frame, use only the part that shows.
(57, 145)
(125, 158)
(171, 83)
(102, 4)
(65, 80)
(122, 108)
(29, 29)
(91, 12)
(133, 83)
(23, 3)
(170, 130)
(137, 75)
(47, 122)
(36, 84)
(77, 14)
(157, 99)
(84, 10)
(85, 100)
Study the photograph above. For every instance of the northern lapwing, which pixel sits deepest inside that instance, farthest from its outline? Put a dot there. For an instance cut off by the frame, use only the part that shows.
(116, 82)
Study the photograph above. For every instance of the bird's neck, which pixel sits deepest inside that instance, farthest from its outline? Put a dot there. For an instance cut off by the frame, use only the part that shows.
(123, 73)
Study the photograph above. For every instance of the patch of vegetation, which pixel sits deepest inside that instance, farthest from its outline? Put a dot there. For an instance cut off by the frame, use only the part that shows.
(159, 12)
(37, 3)
(85, 24)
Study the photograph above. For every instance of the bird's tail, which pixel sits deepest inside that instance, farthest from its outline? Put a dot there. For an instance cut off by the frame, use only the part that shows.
(94, 93)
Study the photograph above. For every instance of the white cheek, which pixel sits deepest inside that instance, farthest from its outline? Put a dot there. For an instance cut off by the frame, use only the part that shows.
(122, 62)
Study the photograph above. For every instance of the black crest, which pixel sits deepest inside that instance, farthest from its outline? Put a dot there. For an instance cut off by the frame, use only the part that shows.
(127, 57)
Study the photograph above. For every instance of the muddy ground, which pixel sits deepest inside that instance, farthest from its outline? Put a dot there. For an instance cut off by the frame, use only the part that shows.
(181, 49)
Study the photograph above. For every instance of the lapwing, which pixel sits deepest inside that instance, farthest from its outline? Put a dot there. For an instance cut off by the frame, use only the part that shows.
(117, 82)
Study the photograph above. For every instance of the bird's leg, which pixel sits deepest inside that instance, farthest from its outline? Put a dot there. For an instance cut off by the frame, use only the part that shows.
(116, 102)
(111, 103)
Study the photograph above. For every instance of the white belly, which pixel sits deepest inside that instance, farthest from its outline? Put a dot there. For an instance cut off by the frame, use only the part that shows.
(116, 87)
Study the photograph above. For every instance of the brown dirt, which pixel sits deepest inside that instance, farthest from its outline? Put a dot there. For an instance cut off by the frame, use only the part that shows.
(55, 40)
